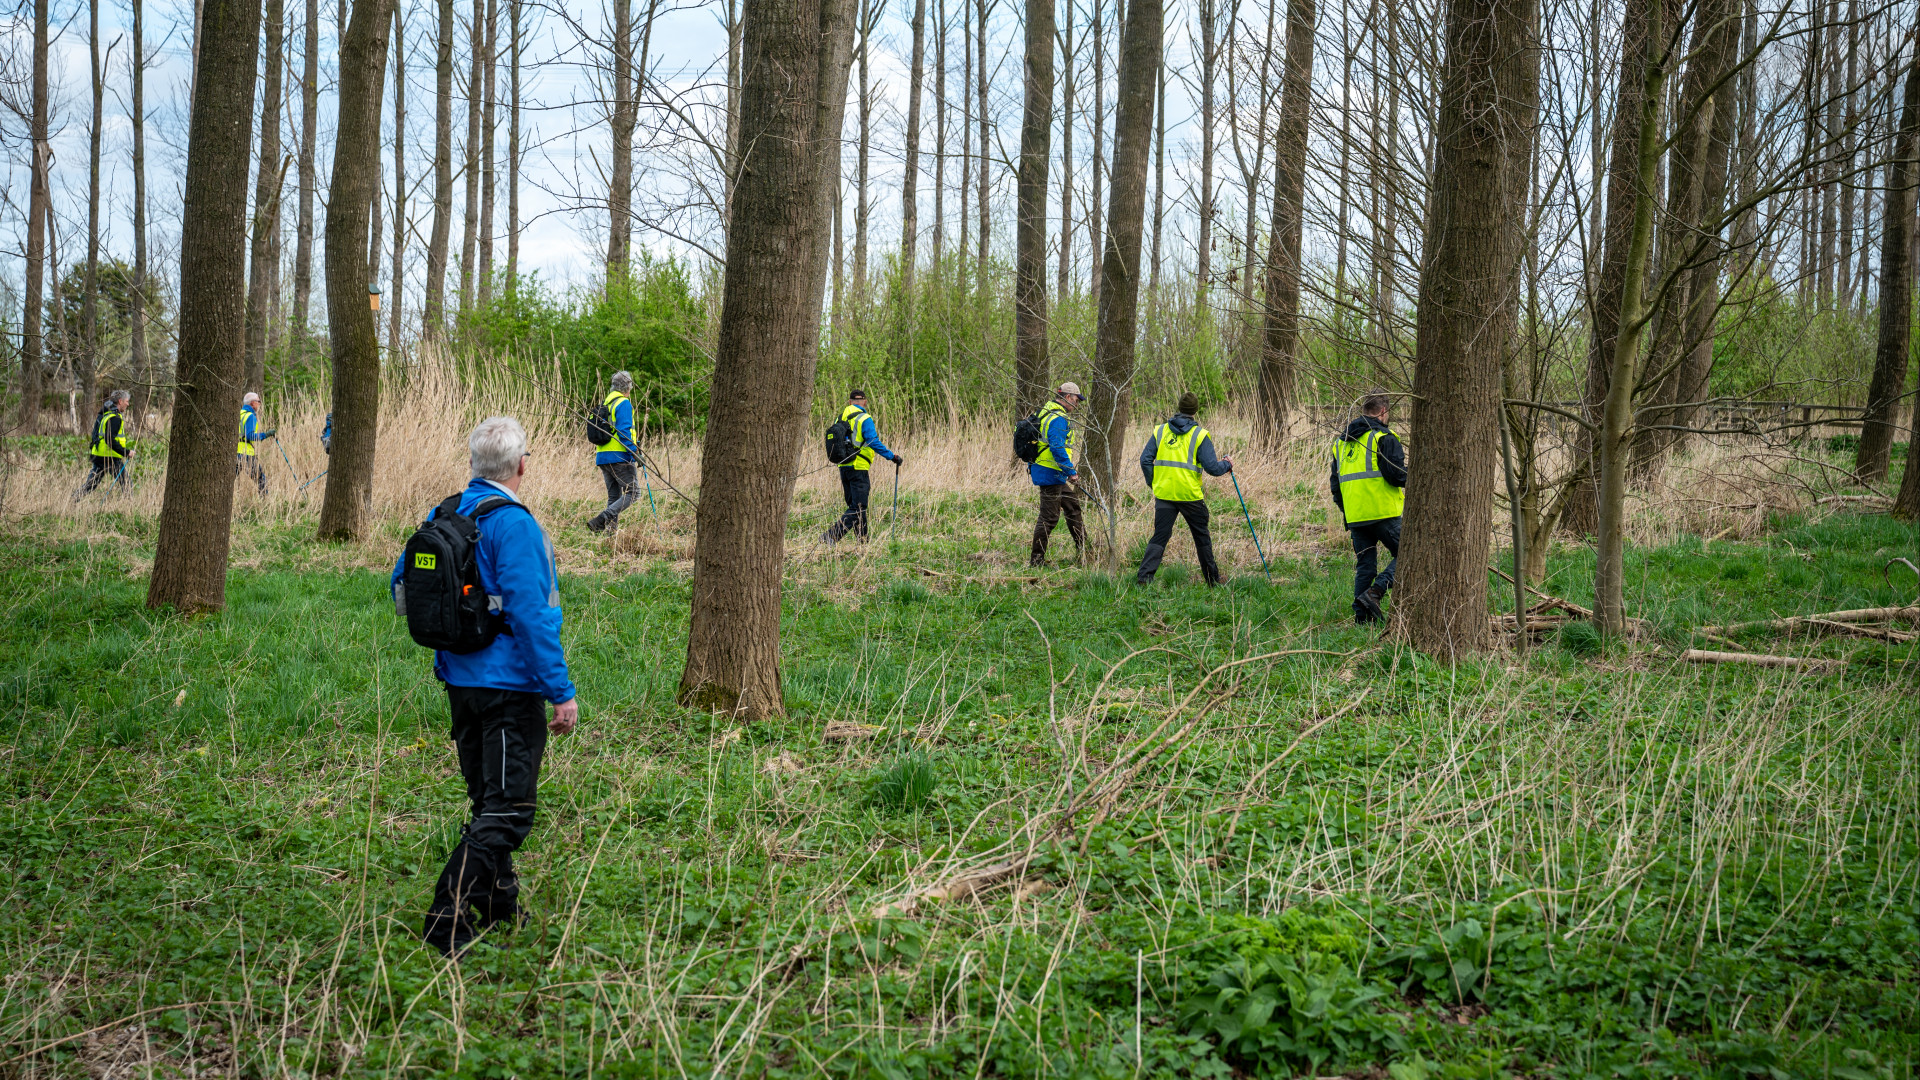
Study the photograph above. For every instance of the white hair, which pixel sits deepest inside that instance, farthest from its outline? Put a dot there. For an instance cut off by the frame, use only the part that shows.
(250, 398)
(621, 381)
(496, 447)
(119, 395)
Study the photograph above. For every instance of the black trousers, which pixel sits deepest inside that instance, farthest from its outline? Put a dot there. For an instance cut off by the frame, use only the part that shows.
(1368, 536)
(1164, 514)
(856, 485)
(100, 468)
(250, 463)
(623, 485)
(500, 736)
(1056, 500)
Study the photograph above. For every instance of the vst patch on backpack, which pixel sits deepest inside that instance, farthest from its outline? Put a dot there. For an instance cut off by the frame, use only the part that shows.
(439, 592)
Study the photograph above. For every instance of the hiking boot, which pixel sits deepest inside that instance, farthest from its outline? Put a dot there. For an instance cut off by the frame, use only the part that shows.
(1365, 611)
(1377, 599)
(597, 524)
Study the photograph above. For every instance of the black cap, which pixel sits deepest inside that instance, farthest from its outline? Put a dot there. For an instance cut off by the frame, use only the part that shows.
(851, 394)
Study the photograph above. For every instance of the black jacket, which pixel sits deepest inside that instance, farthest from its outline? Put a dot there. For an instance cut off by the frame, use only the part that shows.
(1393, 459)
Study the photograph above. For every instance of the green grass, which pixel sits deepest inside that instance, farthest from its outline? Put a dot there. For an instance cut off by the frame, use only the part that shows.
(1595, 861)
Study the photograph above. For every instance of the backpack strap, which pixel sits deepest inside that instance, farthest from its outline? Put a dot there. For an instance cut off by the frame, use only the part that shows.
(489, 504)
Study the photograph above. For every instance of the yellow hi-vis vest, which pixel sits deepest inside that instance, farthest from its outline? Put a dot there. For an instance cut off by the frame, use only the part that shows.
(102, 445)
(1365, 494)
(1176, 464)
(246, 445)
(1046, 459)
(613, 445)
(864, 458)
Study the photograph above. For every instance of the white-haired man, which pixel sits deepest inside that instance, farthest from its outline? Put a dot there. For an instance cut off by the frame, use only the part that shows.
(499, 694)
(618, 457)
(244, 458)
(109, 450)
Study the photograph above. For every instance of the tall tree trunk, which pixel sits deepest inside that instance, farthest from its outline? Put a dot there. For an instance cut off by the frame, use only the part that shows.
(1160, 195)
(1474, 245)
(144, 376)
(396, 288)
(433, 319)
(266, 199)
(1849, 120)
(620, 169)
(483, 263)
(196, 511)
(470, 216)
(1279, 352)
(1896, 293)
(513, 150)
(1032, 373)
(795, 59)
(309, 135)
(1067, 59)
(90, 287)
(346, 511)
(986, 158)
(1209, 56)
(39, 199)
(910, 179)
(861, 151)
(1830, 168)
(965, 172)
(1099, 164)
(1141, 54)
(939, 137)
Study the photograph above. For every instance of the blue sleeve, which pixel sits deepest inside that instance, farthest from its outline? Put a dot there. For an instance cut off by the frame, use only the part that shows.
(252, 422)
(1211, 461)
(1057, 441)
(870, 434)
(530, 598)
(327, 433)
(623, 425)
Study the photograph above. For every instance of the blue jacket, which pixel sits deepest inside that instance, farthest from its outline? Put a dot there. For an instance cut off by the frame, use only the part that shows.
(516, 564)
(247, 434)
(1209, 460)
(870, 436)
(1057, 429)
(623, 429)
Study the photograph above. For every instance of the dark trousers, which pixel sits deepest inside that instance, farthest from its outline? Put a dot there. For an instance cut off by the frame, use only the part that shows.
(102, 467)
(1164, 514)
(1367, 537)
(500, 736)
(623, 484)
(250, 464)
(1055, 500)
(856, 485)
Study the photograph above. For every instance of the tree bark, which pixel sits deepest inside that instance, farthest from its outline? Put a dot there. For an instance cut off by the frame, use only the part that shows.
(910, 180)
(346, 511)
(190, 554)
(1468, 295)
(303, 225)
(1160, 196)
(483, 263)
(939, 137)
(433, 319)
(986, 157)
(396, 292)
(1067, 58)
(144, 377)
(795, 58)
(90, 287)
(470, 216)
(1889, 382)
(620, 170)
(513, 148)
(1280, 348)
(1209, 57)
(861, 152)
(1141, 54)
(39, 199)
(1099, 164)
(1032, 373)
(266, 197)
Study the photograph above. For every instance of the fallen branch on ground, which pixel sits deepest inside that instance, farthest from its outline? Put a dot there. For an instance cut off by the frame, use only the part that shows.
(1704, 656)
(1853, 498)
(1910, 613)
(1879, 633)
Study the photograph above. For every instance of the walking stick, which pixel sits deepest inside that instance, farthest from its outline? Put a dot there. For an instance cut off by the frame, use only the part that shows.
(643, 479)
(285, 458)
(893, 514)
(1250, 529)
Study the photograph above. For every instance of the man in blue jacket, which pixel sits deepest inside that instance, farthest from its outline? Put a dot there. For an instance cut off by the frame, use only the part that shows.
(499, 695)
(245, 457)
(1054, 473)
(856, 481)
(617, 457)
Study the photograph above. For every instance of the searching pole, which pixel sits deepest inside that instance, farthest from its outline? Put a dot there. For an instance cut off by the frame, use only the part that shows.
(285, 458)
(893, 515)
(1250, 528)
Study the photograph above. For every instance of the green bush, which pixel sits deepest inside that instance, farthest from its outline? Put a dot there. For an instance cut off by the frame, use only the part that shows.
(906, 785)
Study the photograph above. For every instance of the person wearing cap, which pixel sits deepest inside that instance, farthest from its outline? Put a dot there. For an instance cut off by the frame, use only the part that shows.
(244, 458)
(1369, 486)
(1053, 472)
(617, 456)
(109, 451)
(855, 483)
(1178, 453)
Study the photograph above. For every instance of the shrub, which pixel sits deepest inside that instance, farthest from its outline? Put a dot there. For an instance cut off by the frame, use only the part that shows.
(1580, 638)
(906, 785)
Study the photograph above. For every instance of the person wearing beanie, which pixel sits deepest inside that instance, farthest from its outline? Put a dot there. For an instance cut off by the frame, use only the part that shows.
(1369, 486)
(1053, 472)
(1177, 455)
(856, 481)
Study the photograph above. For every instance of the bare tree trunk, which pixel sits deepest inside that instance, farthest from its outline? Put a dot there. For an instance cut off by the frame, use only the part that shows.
(986, 158)
(433, 319)
(483, 264)
(1141, 54)
(1099, 164)
(470, 217)
(795, 59)
(346, 511)
(90, 287)
(39, 200)
(308, 181)
(1032, 372)
(1067, 60)
(513, 149)
(965, 172)
(266, 199)
(1896, 294)
(144, 376)
(1469, 292)
(396, 290)
(1209, 58)
(910, 180)
(620, 168)
(940, 137)
(861, 150)
(196, 511)
(1830, 169)
(1849, 120)
(1279, 352)
(1160, 195)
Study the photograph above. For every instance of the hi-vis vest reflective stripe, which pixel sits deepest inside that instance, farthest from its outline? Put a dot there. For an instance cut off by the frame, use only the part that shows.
(103, 446)
(246, 446)
(1176, 464)
(1365, 494)
(852, 414)
(614, 398)
(1046, 458)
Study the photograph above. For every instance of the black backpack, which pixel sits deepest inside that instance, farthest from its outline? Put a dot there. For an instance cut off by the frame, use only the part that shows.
(1026, 439)
(600, 425)
(842, 447)
(439, 591)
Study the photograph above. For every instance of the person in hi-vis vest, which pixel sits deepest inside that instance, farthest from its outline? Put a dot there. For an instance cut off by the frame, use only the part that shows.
(1053, 472)
(1178, 453)
(617, 457)
(856, 481)
(244, 456)
(108, 453)
(1369, 486)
